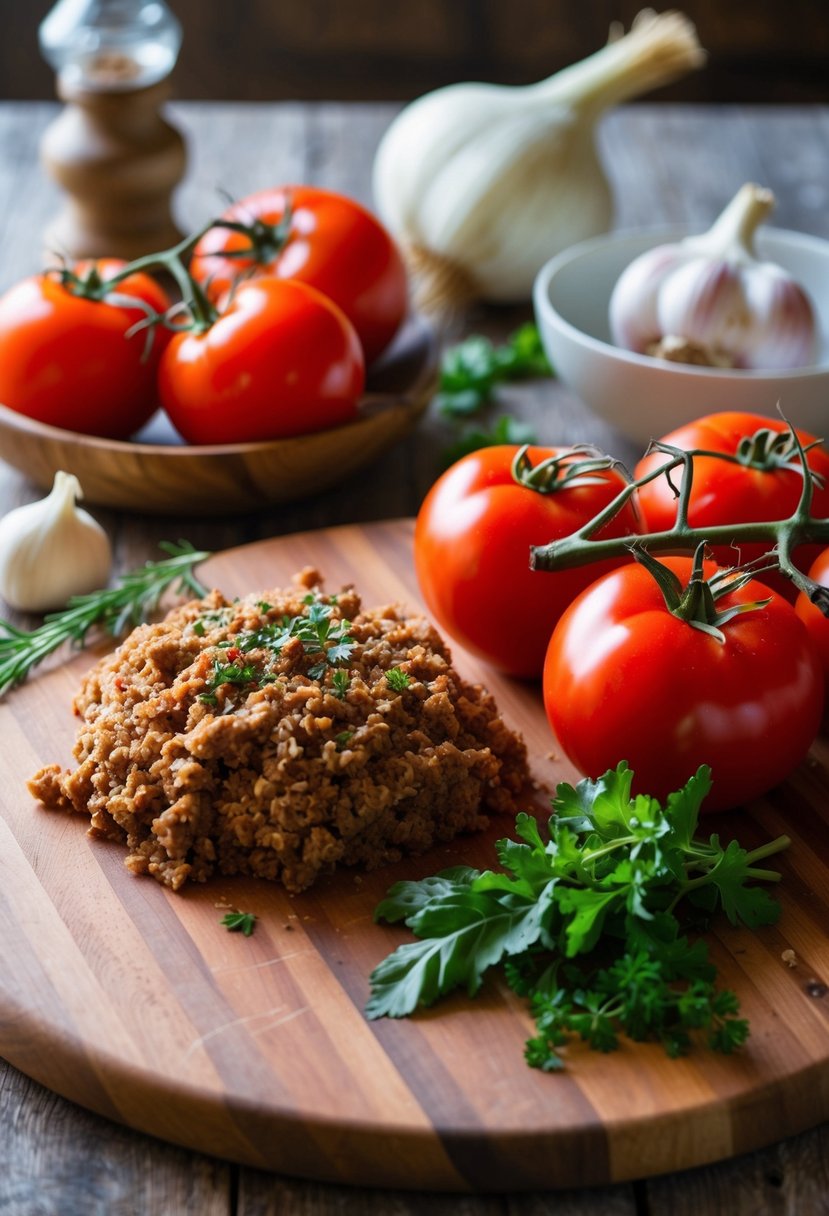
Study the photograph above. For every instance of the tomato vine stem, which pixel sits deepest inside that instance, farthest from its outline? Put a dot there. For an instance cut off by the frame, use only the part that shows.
(782, 535)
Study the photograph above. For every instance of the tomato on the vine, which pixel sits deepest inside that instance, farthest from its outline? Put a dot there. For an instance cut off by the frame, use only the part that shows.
(816, 621)
(317, 237)
(626, 678)
(280, 360)
(473, 537)
(762, 481)
(65, 358)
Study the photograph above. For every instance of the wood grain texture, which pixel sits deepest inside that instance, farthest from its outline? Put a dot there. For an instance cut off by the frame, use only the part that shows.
(59, 1160)
(667, 164)
(372, 49)
(135, 1003)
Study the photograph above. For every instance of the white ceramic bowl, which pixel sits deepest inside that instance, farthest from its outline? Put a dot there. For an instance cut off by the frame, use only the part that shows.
(646, 398)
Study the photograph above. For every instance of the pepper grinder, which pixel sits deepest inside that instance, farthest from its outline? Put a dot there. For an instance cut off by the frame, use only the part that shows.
(110, 148)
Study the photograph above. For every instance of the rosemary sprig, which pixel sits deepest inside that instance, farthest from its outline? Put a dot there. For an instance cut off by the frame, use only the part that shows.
(134, 597)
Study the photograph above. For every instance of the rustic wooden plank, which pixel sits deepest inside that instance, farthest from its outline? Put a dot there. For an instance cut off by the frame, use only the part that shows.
(373, 49)
(57, 1159)
(599, 1201)
(263, 1195)
(790, 1178)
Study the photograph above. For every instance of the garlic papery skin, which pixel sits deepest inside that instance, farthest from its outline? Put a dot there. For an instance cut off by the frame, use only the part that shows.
(712, 293)
(482, 184)
(51, 550)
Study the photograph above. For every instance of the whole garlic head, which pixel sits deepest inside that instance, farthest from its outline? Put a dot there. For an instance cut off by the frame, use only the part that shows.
(51, 550)
(711, 294)
(482, 183)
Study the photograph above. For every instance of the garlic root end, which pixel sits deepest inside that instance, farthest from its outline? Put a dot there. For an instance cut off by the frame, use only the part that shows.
(442, 288)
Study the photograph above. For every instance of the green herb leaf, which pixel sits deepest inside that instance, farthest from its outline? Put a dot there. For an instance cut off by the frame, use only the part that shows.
(397, 680)
(464, 934)
(584, 924)
(471, 370)
(240, 922)
(506, 430)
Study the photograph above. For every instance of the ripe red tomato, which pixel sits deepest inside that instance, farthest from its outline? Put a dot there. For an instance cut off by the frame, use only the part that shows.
(472, 543)
(812, 617)
(755, 487)
(65, 359)
(332, 243)
(625, 679)
(281, 360)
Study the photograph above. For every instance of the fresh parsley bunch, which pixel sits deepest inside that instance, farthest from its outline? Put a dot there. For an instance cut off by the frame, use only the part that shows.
(470, 374)
(471, 370)
(586, 923)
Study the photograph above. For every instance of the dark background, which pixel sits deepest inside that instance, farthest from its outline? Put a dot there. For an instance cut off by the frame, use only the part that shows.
(760, 50)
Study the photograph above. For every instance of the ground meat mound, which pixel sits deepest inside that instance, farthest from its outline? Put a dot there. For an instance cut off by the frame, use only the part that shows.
(281, 734)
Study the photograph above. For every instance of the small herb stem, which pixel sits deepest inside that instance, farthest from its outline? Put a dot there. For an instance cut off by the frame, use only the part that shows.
(768, 850)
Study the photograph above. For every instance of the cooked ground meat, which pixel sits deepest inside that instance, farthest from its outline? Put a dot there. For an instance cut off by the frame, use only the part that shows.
(280, 734)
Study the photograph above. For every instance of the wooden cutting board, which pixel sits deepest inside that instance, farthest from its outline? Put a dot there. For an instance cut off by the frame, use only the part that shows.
(136, 1002)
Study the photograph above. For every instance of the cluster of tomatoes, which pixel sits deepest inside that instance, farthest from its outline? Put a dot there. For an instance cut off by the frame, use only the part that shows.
(291, 294)
(624, 677)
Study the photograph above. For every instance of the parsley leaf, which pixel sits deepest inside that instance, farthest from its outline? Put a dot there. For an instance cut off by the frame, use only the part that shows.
(240, 922)
(505, 430)
(583, 923)
(471, 371)
(397, 680)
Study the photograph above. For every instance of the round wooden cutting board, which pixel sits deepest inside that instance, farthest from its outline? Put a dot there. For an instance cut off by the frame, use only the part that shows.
(138, 1004)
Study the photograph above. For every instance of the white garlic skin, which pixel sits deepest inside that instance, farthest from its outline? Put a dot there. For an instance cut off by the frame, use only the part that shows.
(488, 181)
(51, 550)
(713, 292)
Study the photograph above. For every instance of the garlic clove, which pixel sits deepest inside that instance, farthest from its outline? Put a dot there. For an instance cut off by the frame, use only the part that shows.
(706, 306)
(51, 550)
(790, 336)
(637, 328)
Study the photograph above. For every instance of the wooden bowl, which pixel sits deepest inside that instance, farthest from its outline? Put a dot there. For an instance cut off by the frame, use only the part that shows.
(158, 474)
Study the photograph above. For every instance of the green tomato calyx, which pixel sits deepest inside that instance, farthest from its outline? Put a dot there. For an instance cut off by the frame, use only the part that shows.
(575, 467)
(767, 450)
(697, 603)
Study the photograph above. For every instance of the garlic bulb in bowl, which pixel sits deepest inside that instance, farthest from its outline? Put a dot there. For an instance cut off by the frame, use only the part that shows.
(708, 299)
(481, 184)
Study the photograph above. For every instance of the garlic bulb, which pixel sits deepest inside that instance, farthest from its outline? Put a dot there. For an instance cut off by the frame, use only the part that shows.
(51, 550)
(481, 184)
(708, 300)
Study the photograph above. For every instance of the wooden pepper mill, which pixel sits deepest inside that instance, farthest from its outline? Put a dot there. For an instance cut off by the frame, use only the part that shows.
(110, 148)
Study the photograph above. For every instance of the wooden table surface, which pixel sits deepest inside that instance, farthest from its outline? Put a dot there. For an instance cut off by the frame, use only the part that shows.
(667, 163)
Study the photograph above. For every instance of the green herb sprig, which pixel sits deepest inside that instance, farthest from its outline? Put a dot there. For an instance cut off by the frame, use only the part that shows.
(240, 922)
(585, 923)
(397, 680)
(318, 631)
(134, 598)
(506, 430)
(470, 375)
(320, 634)
(471, 371)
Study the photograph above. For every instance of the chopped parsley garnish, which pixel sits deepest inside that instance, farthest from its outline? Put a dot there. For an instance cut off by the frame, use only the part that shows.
(397, 679)
(585, 924)
(240, 922)
(321, 635)
(343, 738)
(341, 681)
